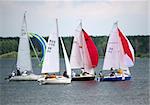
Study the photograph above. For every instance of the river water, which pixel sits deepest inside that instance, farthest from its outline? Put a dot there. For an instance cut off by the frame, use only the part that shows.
(133, 92)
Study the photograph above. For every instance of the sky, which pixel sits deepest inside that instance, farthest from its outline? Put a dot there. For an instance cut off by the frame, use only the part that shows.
(97, 16)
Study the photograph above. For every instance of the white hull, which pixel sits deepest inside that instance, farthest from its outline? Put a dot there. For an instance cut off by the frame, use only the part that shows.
(30, 77)
(57, 80)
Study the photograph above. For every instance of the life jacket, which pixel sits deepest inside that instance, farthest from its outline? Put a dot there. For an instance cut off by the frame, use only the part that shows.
(120, 71)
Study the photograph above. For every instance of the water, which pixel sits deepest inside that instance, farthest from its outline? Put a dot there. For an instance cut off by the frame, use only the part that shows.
(133, 92)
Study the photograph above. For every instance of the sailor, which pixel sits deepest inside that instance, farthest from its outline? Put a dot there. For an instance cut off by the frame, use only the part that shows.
(73, 74)
(120, 71)
(112, 72)
(101, 74)
(13, 74)
(24, 73)
(65, 74)
(18, 72)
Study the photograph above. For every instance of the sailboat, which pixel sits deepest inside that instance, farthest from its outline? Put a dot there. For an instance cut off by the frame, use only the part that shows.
(119, 56)
(51, 62)
(84, 56)
(24, 69)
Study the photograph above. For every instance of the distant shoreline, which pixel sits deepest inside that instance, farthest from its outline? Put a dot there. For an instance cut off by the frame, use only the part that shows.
(13, 54)
(9, 46)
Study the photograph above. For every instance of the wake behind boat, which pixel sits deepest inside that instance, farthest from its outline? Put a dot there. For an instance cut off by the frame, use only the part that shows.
(84, 56)
(23, 69)
(119, 56)
(51, 62)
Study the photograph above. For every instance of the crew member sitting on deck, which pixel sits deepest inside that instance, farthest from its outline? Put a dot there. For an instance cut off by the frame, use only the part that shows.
(73, 74)
(50, 76)
(65, 74)
(112, 72)
(101, 74)
(120, 71)
(18, 72)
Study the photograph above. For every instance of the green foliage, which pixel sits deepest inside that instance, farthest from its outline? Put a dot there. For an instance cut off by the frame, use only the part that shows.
(140, 45)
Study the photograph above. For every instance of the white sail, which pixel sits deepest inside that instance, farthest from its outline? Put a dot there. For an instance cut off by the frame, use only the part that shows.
(115, 55)
(51, 59)
(67, 63)
(76, 53)
(24, 58)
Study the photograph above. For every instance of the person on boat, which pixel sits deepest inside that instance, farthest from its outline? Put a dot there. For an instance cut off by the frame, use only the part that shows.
(46, 75)
(11, 75)
(84, 73)
(73, 74)
(120, 71)
(52, 76)
(65, 74)
(25, 73)
(101, 74)
(18, 72)
(112, 72)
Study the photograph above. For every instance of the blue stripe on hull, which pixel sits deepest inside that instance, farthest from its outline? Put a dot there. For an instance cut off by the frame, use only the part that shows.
(127, 78)
(115, 79)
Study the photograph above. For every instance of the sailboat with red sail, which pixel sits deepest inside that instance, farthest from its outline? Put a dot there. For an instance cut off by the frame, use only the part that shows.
(84, 56)
(119, 56)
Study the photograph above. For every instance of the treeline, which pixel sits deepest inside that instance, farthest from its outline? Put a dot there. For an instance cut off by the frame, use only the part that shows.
(140, 44)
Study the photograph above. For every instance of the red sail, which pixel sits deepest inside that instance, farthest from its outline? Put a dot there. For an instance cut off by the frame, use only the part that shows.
(93, 52)
(125, 45)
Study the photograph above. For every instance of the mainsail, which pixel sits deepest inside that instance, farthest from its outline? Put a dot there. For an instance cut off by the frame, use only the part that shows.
(119, 52)
(51, 59)
(24, 58)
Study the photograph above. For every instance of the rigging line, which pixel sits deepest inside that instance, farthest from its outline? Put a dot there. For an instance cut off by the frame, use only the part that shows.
(83, 45)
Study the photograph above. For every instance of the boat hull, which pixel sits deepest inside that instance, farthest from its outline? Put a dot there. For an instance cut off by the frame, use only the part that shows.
(57, 80)
(108, 78)
(30, 77)
(83, 78)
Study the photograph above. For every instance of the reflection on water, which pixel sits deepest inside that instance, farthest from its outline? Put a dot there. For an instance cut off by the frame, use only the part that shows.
(133, 92)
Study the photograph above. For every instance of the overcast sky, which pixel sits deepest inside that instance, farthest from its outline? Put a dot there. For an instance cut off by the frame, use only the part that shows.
(97, 16)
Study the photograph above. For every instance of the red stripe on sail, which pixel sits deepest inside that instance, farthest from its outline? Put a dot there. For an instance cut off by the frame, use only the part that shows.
(93, 52)
(125, 45)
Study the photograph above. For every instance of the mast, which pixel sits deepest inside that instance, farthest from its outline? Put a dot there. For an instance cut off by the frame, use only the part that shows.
(118, 43)
(57, 33)
(82, 55)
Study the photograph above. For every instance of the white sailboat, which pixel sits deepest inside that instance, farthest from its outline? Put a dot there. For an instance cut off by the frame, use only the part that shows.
(84, 56)
(119, 55)
(24, 65)
(51, 62)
